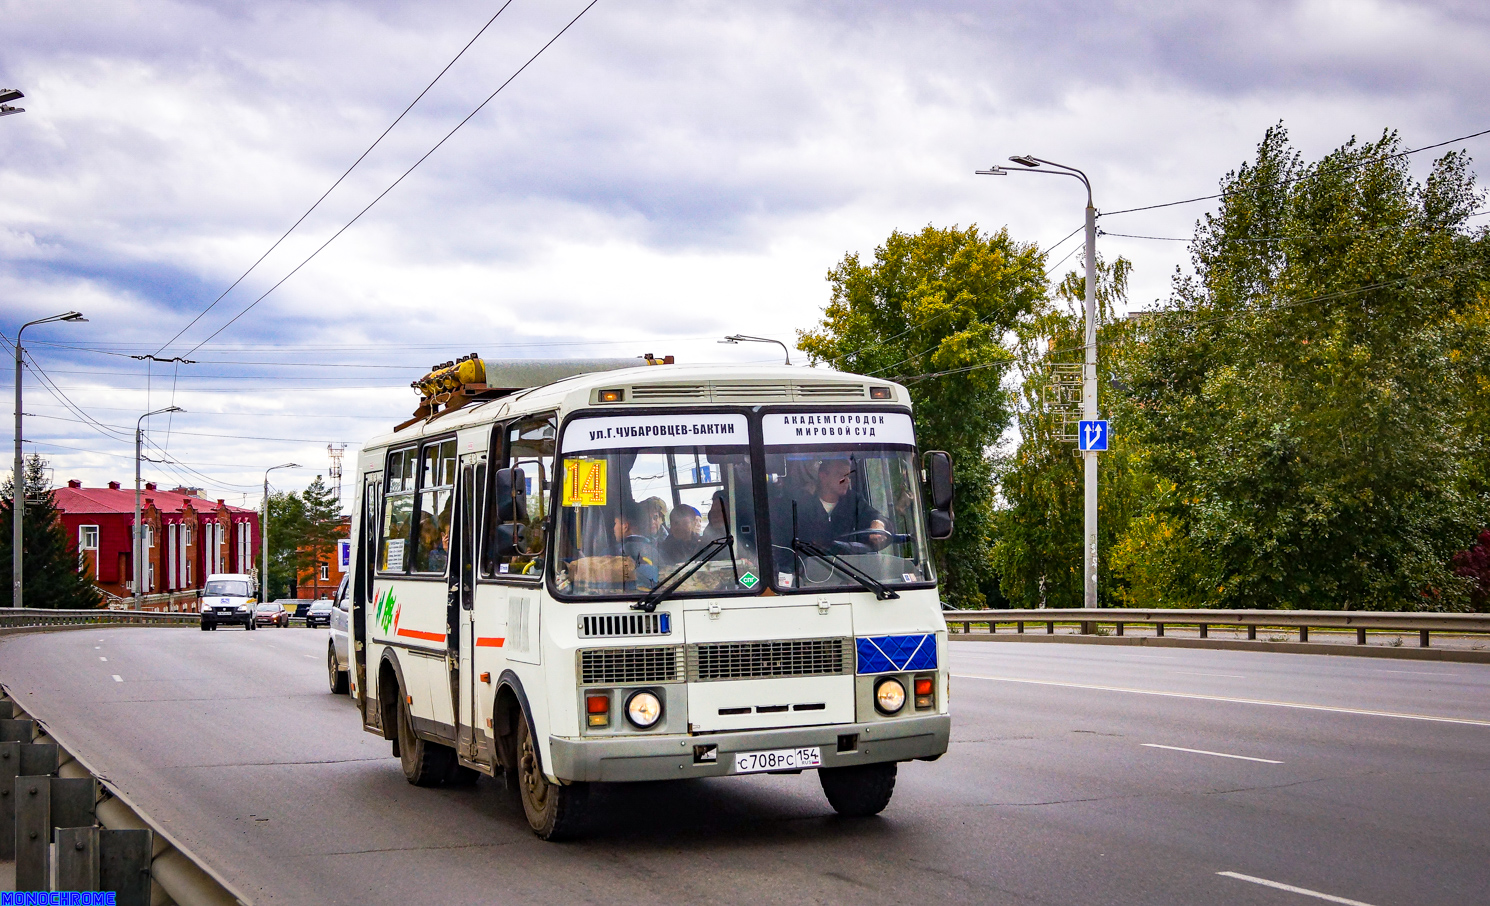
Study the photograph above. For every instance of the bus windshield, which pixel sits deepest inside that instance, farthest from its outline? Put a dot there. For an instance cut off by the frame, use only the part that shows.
(642, 495)
(228, 588)
(842, 486)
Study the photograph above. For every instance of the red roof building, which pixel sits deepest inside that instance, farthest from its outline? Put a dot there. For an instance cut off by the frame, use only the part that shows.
(187, 537)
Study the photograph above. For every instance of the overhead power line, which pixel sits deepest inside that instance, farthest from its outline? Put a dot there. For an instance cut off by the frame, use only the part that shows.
(360, 158)
(246, 309)
(1355, 166)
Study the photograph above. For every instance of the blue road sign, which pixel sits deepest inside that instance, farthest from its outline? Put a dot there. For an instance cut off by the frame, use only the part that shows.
(1092, 436)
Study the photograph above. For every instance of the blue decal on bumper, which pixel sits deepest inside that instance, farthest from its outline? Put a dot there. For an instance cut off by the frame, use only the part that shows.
(893, 653)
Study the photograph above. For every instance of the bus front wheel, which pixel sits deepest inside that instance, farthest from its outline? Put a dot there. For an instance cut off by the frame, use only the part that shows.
(554, 811)
(859, 791)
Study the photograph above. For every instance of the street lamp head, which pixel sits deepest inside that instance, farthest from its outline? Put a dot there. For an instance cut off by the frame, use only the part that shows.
(74, 316)
(10, 94)
(992, 171)
(1025, 160)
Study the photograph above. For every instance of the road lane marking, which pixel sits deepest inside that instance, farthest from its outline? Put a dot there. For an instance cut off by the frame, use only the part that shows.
(1155, 745)
(102, 658)
(1291, 889)
(1193, 673)
(1365, 712)
(1416, 673)
(118, 678)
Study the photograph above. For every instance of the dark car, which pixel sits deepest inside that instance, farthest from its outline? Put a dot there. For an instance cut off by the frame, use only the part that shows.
(271, 613)
(302, 607)
(319, 613)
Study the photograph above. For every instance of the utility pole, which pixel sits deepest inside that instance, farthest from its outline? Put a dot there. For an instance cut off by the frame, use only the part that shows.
(18, 477)
(1088, 371)
(137, 548)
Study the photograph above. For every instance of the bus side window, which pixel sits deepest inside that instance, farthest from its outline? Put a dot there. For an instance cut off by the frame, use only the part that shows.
(436, 497)
(530, 447)
(398, 512)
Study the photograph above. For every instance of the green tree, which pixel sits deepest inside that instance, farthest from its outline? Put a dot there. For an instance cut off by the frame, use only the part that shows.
(322, 521)
(1040, 522)
(49, 559)
(933, 310)
(1305, 397)
(287, 528)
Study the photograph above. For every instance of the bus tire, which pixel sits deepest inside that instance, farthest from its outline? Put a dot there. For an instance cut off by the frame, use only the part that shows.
(860, 790)
(554, 811)
(337, 676)
(425, 763)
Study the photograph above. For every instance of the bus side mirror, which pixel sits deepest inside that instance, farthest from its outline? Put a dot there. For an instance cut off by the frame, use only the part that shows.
(511, 502)
(512, 495)
(939, 470)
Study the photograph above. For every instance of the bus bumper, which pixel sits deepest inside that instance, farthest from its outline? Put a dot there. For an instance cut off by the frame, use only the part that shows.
(615, 759)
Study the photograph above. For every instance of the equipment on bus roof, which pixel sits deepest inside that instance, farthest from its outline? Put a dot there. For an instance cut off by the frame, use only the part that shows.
(452, 385)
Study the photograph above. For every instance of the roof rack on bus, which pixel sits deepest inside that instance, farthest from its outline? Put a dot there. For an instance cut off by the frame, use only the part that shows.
(455, 384)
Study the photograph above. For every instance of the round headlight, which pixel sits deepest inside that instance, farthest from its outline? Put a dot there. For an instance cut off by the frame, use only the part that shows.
(889, 695)
(644, 709)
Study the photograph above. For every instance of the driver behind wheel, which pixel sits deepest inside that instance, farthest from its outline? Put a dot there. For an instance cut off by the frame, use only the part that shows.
(834, 513)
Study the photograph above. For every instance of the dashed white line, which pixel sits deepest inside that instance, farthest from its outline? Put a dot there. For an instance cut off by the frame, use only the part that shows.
(1328, 897)
(102, 658)
(1155, 745)
(118, 678)
(1195, 696)
(1416, 673)
(1193, 673)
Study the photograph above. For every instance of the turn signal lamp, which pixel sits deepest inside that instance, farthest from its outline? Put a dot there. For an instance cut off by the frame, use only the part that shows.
(880, 393)
(925, 693)
(612, 396)
(597, 709)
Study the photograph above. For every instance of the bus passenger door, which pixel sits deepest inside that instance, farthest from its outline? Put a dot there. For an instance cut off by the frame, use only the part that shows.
(363, 591)
(464, 683)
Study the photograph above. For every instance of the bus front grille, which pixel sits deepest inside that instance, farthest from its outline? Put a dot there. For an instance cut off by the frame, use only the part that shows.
(615, 625)
(620, 666)
(761, 660)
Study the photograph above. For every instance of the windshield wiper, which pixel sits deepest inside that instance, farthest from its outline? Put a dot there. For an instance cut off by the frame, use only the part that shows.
(866, 581)
(685, 569)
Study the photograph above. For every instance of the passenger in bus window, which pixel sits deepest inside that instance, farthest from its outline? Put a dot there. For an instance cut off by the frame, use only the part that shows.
(655, 510)
(682, 539)
(630, 525)
(436, 540)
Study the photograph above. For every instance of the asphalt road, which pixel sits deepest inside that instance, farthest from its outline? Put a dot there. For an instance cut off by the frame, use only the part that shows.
(1068, 781)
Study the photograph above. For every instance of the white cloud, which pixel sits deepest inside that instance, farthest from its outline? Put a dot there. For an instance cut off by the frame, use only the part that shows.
(669, 172)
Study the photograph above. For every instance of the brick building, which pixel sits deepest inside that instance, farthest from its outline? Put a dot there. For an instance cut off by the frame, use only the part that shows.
(322, 581)
(187, 537)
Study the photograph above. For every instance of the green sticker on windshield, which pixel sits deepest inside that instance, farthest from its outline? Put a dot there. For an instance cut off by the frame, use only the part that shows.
(749, 579)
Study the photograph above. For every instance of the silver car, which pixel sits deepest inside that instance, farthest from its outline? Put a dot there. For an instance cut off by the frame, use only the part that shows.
(338, 650)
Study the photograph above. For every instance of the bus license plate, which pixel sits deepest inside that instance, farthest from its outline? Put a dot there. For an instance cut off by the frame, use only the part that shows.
(778, 760)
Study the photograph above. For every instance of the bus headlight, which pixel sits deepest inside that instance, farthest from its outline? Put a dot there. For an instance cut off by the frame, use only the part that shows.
(644, 710)
(889, 695)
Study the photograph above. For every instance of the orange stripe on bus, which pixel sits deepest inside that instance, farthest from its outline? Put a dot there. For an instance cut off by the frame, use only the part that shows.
(489, 643)
(426, 636)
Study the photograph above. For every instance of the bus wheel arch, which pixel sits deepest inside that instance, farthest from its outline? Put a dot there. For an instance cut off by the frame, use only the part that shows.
(390, 687)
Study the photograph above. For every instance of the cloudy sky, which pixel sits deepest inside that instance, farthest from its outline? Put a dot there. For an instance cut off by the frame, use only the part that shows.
(664, 174)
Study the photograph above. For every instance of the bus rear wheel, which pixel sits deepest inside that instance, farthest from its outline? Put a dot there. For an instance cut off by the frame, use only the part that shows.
(425, 763)
(554, 811)
(859, 791)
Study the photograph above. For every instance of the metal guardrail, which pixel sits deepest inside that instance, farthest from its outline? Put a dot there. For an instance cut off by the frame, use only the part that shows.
(175, 875)
(25, 617)
(1301, 620)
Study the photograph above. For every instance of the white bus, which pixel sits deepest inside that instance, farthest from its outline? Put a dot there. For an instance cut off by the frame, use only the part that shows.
(654, 573)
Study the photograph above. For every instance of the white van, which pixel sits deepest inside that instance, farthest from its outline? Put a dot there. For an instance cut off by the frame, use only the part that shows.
(227, 599)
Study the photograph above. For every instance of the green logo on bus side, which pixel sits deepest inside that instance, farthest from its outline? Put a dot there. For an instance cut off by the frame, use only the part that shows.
(749, 579)
(383, 610)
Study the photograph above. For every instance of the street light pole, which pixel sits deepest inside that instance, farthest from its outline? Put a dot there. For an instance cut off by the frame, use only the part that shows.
(742, 338)
(1089, 368)
(264, 529)
(18, 477)
(137, 535)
